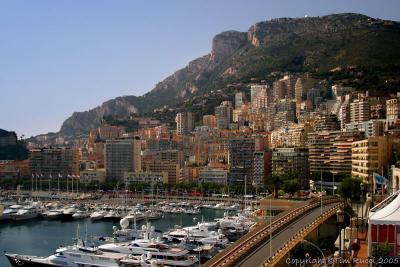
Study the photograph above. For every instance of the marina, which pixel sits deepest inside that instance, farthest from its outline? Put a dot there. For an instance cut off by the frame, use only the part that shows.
(145, 234)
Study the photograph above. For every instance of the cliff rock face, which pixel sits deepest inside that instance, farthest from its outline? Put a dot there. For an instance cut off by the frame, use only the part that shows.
(81, 122)
(293, 45)
(226, 44)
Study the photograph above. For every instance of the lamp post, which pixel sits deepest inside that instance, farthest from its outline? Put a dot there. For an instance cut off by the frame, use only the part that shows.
(362, 206)
(333, 184)
(315, 246)
(270, 225)
(340, 220)
(321, 188)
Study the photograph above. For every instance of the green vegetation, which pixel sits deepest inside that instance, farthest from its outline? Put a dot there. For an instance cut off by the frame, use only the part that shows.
(350, 188)
(363, 52)
(382, 250)
(18, 152)
(289, 182)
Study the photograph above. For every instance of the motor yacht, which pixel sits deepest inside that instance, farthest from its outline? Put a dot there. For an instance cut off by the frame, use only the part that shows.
(80, 214)
(80, 255)
(97, 215)
(26, 213)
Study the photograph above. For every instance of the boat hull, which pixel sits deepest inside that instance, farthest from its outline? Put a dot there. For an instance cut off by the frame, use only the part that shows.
(24, 262)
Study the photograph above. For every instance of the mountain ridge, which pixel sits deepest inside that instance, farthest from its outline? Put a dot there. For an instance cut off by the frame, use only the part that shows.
(283, 44)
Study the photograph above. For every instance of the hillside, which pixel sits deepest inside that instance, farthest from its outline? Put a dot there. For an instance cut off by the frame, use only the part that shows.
(313, 44)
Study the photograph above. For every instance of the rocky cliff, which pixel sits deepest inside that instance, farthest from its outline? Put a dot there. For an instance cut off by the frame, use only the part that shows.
(311, 44)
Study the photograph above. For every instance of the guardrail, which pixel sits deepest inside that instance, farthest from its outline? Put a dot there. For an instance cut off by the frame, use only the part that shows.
(300, 235)
(249, 241)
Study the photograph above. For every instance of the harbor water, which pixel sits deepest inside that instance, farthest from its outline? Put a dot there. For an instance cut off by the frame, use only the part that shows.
(42, 237)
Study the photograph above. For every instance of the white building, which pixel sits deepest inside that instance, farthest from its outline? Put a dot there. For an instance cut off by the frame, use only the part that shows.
(92, 176)
(216, 176)
(145, 177)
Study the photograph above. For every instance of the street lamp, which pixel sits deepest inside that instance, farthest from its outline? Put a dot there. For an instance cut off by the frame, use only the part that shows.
(362, 206)
(315, 246)
(340, 220)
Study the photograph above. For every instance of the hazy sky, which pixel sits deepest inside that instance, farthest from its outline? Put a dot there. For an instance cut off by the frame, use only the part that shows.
(57, 57)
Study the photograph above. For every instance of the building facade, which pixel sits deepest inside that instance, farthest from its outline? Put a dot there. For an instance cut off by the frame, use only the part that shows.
(122, 155)
(214, 176)
(240, 160)
(291, 160)
(54, 161)
(145, 177)
(371, 155)
(184, 123)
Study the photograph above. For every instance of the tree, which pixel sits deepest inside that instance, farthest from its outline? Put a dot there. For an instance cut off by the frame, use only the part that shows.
(291, 186)
(273, 183)
(350, 188)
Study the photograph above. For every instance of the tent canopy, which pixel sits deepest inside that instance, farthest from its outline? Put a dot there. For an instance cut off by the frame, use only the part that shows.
(390, 214)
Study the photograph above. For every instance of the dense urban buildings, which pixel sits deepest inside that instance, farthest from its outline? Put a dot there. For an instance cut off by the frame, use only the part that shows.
(298, 126)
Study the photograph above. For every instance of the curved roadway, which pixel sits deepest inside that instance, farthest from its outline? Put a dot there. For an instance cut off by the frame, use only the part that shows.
(258, 256)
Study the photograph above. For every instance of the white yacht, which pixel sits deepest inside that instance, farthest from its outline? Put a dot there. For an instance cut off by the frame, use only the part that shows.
(97, 215)
(239, 222)
(197, 234)
(135, 215)
(9, 212)
(164, 254)
(111, 215)
(69, 211)
(80, 256)
(25, 213)
(80, 214)
(125, 234)
(54, 214)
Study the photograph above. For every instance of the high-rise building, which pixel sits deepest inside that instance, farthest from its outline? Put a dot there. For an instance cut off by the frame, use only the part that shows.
(161, 166)
(302, 86)
(371, 155)
(319, 146)
(122, 155)
(327, 122)
(224, 114)
(261, 166)
(340, 159)
(294, 159)
(54, 161)
(240, 159)
(210, 121)
(359, 110)
(184, 123)
(330, 151)
(393, 109)
(261, 100)
(369, 128)
(255, 90)
(344, 111)
(239, 99)
(284, 88)
(110, 131)
(173, 155)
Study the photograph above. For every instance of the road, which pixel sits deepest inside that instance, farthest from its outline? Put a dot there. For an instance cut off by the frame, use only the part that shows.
(262, 253)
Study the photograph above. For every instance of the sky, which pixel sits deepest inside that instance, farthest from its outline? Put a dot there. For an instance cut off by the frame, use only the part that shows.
(58, 57)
